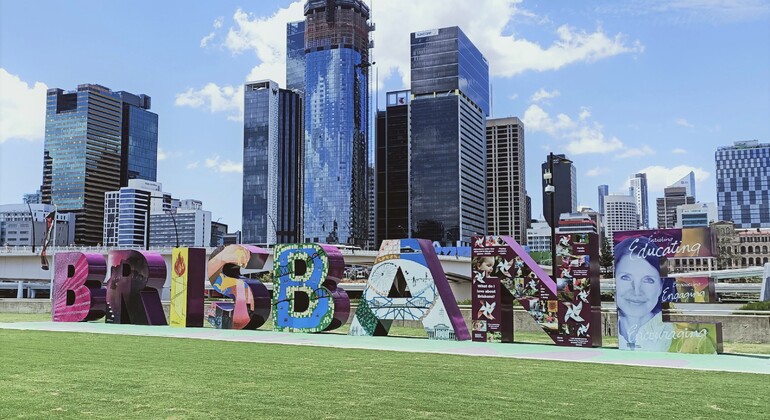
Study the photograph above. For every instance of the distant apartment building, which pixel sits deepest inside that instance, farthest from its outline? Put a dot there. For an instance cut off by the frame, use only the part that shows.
(620, 214)
(126, 212)
(25, 225)
(638, 190)
(187, 225)
(673, 197)
(696, 215)
(539, 237)
(506, 181)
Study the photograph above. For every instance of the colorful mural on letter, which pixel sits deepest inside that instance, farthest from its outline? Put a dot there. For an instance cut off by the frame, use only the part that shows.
(568, 309)
(78, 292)
(305, 293)
(133, 290)
(187, 287)
(407, 282)
(642, 288)
(250, 307)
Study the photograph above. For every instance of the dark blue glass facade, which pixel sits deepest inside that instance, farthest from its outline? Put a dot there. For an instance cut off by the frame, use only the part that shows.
(295, 56)
(272, 164)
(336, 123)
(260, 159)
(82, 155)
(743, 184)
(139, 157)
(445, 60)
(392, 163)
(450, 78)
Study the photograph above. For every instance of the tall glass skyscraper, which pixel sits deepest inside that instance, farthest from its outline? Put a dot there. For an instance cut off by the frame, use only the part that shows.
(743, 183)
(565, 182)
(392, 163)
(82, 155)
(139, 156)
(295, 56)
(638, 190)
(336, 121)
(95, 140)
(272, 164)
(506, 181)
(450, 88)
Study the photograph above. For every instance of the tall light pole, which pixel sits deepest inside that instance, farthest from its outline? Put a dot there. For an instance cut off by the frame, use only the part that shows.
(551, 190)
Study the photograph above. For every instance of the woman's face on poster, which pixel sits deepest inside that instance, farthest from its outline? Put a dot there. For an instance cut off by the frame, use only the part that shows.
(638, 286)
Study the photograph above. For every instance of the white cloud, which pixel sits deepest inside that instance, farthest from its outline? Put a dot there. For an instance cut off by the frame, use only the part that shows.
(636, 152)
(162, 154)
(488, 27)
(225, 166)
(22, 108)
(679, 151)
(683, 122)
(659, 177)
(513, 96)
(582, 136)
(597, 171)
(218, 22)
(193, 165)
(543, 94)
(206, 39)
(584, 113)
(227, 99)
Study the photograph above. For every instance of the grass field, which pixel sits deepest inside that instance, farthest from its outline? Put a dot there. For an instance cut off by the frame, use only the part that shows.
(47, 374)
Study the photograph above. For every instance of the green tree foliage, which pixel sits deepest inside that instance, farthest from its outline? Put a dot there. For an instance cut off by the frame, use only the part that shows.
(606, 259)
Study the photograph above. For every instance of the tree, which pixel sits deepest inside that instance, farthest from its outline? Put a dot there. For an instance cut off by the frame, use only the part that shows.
(606, 259)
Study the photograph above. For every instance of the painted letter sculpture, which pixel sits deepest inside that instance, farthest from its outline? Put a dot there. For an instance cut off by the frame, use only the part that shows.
(133, 290)
(78, 292)
(251, 300)
(188, 269)
(305, 293)
(407, 282)
(568, 309)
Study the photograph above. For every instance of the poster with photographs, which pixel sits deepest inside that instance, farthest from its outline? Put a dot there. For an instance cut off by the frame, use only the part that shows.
(642, 292)
(503, 272)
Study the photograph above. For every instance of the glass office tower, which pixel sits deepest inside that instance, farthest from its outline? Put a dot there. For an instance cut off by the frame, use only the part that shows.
(139, 158)
(295, 56)
(82, 155)
(272, 164)
(743, 183)
(392, 163)
(336, 121)
(450, 89)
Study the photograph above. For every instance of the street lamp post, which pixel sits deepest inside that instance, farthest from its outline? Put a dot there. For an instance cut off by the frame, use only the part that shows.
(550, 189)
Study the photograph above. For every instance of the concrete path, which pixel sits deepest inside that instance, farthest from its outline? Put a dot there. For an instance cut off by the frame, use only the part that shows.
(724, 362)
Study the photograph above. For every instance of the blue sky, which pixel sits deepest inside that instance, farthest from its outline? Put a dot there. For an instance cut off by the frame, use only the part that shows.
(620, 87)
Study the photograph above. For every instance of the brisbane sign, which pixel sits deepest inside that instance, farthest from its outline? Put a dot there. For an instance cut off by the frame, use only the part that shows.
(406, 282)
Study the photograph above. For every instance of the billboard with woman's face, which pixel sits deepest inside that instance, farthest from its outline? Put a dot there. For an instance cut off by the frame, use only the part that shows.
(642, 288)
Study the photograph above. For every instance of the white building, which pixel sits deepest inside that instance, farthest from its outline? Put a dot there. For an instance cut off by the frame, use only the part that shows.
(126, 212)
(188, 225)
(696, 215)
(620, 214)
(22, 224)
(539, 237)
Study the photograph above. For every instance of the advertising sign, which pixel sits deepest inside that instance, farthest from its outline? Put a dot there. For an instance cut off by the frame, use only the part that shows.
(642, 289)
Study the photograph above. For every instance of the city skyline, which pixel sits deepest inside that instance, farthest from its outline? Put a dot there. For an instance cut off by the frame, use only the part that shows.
(561, 69)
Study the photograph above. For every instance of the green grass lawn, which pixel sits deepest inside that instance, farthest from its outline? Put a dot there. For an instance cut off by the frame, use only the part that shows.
(76, 375)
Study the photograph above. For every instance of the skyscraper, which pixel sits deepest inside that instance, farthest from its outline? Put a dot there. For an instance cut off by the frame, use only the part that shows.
(604, 190)
(126, 212)
(743, 183)
(506, 186)
(392, 163)
(139, 139)
(638, 190)
(336, 121)
(619, 214)
(565, 183)
(272, 164)
(295, 56)
(688, 183)
(450, 88)
(673, 196)
(82, 155)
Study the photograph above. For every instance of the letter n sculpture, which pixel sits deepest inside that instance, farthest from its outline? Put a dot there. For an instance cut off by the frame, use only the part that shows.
(407, 283)
(568, 309)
